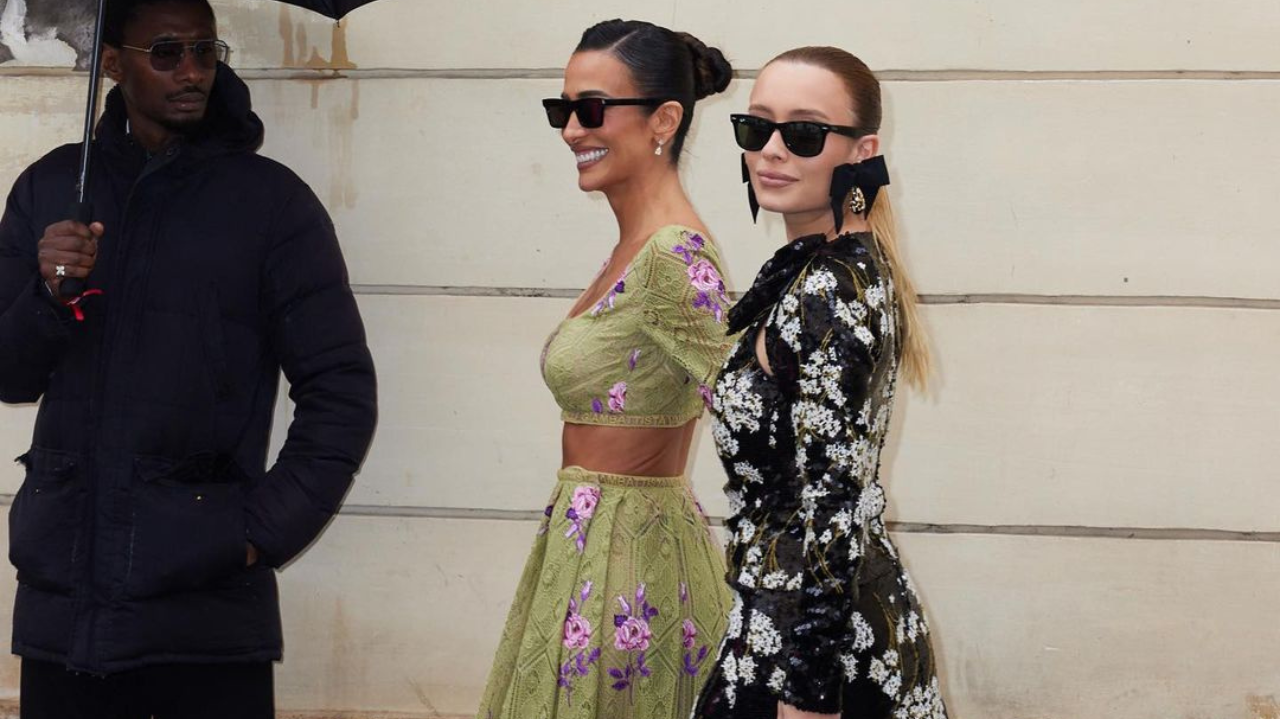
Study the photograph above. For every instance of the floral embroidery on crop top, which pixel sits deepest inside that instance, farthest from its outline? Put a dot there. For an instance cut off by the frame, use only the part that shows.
(646, 354)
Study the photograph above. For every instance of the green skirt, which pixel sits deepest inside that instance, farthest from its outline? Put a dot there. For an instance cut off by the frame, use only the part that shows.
(621, 607)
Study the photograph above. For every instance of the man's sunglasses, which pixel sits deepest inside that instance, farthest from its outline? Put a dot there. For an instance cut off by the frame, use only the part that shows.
(803, 138)
(590, 110)
(166, 55)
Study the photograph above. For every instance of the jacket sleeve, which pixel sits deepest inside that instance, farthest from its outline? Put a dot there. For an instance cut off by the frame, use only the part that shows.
(320, 340)
(824, 321)
(34, 333)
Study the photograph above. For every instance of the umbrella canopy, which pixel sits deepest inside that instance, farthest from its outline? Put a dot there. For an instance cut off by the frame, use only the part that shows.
(80, 208)
(335, 9)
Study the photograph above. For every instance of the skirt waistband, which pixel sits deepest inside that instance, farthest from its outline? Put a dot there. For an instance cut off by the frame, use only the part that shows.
(605, 479)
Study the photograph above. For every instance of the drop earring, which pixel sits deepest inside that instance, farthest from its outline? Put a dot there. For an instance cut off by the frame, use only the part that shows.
(658, 151)
(857, 201)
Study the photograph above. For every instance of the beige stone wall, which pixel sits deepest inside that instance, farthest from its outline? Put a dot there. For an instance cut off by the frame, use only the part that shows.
(1089, 499)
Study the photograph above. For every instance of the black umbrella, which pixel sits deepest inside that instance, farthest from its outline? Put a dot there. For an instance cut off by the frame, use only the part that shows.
(82, 210)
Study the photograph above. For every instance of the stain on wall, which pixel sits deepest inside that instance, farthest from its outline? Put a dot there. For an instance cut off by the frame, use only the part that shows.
(47, 32)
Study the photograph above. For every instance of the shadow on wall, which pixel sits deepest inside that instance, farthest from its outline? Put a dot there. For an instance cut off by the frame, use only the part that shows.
(38, 32)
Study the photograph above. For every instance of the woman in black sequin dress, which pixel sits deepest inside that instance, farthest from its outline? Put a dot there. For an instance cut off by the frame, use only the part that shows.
(826, 622)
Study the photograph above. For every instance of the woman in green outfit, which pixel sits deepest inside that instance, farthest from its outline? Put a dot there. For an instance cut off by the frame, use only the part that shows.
(623, 600)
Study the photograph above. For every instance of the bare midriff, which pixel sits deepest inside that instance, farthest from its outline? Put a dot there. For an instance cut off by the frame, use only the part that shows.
(635, 451)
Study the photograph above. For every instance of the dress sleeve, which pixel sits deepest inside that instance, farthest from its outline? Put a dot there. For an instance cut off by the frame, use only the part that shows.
(686, 304)
(830, 339)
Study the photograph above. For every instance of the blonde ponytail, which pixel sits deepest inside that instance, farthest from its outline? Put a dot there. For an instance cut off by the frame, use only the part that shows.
(913, 342)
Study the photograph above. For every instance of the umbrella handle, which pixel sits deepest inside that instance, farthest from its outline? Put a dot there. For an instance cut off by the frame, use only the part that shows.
(81, 208)
(73, 287)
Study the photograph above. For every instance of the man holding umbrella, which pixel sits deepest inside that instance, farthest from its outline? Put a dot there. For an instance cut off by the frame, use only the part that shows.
(146, 531)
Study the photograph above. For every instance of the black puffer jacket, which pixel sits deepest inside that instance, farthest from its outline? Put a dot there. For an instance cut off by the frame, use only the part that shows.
(146, 474)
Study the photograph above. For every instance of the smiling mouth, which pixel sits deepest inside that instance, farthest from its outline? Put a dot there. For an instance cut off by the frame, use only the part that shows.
(589, 157)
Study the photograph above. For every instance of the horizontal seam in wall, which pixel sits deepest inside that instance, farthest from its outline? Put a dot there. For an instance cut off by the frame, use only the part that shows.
(958, 75)
(1017, 530)
(928, 299)
(1014, 530)
(9, 710)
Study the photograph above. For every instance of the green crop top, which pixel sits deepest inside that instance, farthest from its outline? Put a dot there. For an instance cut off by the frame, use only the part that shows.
(646, 354)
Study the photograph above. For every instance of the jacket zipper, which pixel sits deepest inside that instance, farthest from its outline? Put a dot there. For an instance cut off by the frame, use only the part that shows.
(96, 388)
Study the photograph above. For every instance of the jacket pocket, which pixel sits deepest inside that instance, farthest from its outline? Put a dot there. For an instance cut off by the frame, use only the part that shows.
(188, 524)
(46, 521)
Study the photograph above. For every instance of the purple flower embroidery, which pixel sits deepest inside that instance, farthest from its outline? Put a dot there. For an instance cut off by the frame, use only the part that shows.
(689, 631)
(633, 359)
(692, 661)
(584, 501)
(618, 288)
(704, 277)
(577, 635)
(581, 509)
(618, 398)
(707, 398)
(705, 300)
(631, 634)
(597, 406)
(692, 245)
(546, 520)
(577, 632)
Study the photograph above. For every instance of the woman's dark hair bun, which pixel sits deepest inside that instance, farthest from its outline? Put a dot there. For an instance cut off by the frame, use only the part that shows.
(711, 71)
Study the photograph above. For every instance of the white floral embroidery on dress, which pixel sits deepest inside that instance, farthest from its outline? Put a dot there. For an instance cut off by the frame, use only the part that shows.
(851, 313)
(790, 333)
(725, 442)
(734, 630)
(808, 416)
(748, 473)
(736, 405)
(819, 281)
(843, 521)
(820, 377)
(850, 664)
(736, 504)
(778, 679)
(874, 295)
(863, 636)
(870, 504)
(878, 672)
(762, 637)
(774, 580)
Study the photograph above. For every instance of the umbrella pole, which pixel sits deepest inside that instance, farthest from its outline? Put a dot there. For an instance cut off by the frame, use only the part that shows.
(82, 208)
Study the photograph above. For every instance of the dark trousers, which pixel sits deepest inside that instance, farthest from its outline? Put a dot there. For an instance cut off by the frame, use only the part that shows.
(175, 691)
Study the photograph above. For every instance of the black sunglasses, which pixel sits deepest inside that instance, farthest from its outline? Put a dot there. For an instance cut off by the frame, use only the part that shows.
(803, 137)
(590, 110)
(166, 55)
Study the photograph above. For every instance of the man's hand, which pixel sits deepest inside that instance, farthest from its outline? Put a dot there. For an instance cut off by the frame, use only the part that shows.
(71, 246)
(786, 711)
